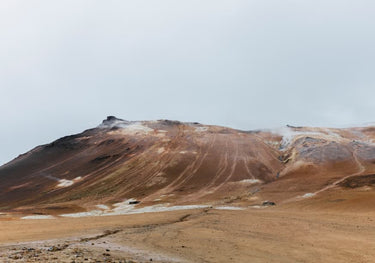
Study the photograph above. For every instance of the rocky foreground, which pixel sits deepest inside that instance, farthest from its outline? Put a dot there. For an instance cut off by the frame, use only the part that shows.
(59, 253)
(271, 234)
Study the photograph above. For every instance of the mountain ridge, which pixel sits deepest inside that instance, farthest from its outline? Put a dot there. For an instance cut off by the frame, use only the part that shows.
(159, 162)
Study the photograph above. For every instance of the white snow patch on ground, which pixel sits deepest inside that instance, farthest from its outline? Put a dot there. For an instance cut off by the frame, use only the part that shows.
(124, 208)
(307, 195)
(228, 208)
(103, 207)
(38, 217)
(257, 206)
(156, 208)
(84, 214)
(250, 181)
(67, 183)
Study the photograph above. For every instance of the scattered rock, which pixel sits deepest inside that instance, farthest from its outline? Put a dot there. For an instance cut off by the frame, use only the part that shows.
(268, 203)
(53, 249)
(57, 248)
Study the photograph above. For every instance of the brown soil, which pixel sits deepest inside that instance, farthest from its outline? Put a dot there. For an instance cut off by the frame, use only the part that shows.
(251, 235)
(359, 181)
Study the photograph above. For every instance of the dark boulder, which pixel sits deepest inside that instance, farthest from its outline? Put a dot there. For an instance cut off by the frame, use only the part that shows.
(268, 203)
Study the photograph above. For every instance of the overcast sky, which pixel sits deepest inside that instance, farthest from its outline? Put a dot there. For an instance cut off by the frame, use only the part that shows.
(66, 65)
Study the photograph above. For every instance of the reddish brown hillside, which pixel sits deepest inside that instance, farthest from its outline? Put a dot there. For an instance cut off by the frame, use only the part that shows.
(186, 163)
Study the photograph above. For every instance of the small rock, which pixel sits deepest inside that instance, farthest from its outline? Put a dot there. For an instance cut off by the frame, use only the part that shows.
(53, 249)
(267, 203)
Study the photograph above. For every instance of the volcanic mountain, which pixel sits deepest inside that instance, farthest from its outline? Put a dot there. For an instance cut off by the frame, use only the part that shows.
(175, 163)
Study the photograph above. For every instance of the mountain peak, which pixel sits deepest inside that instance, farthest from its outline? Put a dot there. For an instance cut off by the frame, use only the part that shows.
(112, 121)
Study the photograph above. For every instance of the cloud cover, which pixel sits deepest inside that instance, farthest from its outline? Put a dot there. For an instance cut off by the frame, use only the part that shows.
(247, 64)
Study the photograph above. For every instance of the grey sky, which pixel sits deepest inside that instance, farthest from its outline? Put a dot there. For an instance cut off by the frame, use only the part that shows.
(66, 65)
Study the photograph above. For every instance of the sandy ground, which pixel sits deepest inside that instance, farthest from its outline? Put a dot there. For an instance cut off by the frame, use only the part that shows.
(272, 234)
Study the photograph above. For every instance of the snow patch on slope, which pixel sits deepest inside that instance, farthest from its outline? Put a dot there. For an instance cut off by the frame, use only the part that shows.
(125, 208)
(250, 181)
(67, 183)
(308, 195)
(38, 217)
